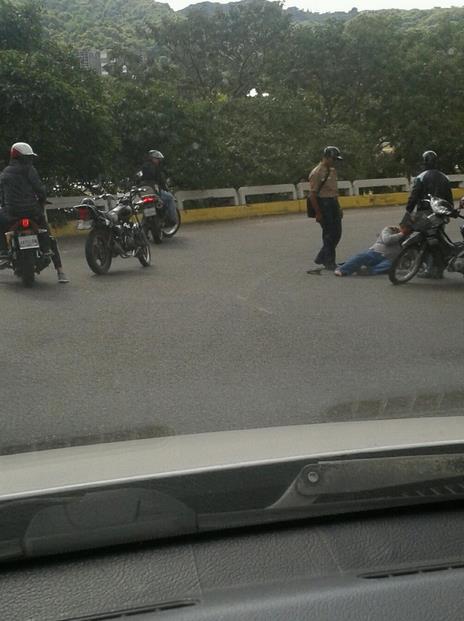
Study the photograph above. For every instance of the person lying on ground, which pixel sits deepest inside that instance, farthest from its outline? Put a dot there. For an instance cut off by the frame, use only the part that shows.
(379, 257)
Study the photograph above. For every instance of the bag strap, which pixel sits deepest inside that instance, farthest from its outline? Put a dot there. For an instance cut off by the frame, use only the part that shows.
(323, 182)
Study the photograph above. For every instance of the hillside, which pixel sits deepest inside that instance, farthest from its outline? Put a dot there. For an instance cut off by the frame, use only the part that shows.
(104, 23)
(296, 15)
(110, 24)
(100, 23)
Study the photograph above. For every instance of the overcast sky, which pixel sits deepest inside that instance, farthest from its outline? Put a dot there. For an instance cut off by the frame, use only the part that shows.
(321, 6)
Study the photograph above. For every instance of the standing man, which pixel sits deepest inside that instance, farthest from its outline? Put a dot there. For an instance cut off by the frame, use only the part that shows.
(323, 194)
(153, 174)
(22, 195)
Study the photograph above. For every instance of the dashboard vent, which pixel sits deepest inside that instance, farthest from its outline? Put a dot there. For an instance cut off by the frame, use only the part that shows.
(121, 615)
(411, 571)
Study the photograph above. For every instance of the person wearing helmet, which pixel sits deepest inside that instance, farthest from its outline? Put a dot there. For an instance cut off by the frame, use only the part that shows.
(153, 174)
(323, 195)
(22, 195)
(430, 182)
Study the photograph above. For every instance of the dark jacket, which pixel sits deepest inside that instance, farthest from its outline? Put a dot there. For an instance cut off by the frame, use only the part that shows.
(154, 175)
(432, 182)
(21, 191)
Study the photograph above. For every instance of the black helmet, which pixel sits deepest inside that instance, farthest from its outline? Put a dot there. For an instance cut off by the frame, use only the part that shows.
(333, 152)
(154, 153)
(430, 159)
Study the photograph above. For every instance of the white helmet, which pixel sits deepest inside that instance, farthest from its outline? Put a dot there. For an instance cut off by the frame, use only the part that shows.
(21, 148)
(155, 154)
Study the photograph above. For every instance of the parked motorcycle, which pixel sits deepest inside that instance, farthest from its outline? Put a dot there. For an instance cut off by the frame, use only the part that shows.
(115, 232)
(155, 219)
(429, 239)
(27, 250)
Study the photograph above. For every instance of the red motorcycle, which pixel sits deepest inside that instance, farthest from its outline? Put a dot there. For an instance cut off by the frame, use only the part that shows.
(28, 251)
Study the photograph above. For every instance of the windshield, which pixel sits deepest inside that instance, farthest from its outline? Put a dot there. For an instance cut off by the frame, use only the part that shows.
(261, 251)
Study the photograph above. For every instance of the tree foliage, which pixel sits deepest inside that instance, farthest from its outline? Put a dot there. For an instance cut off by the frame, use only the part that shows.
(384, 86)
(49, 101)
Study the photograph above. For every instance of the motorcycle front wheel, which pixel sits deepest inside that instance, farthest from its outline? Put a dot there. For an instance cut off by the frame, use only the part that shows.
(143, 252)
(406, 265)
(98, 252)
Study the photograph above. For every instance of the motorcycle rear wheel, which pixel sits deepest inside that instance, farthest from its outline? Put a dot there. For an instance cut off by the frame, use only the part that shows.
(156, 231)
(26, 268)
(170, 231)
(98, 252)
(406, 265)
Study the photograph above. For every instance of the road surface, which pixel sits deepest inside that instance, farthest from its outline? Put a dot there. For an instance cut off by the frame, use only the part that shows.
(225, 331)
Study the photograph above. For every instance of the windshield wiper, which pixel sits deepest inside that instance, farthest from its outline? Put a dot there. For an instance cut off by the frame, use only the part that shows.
(328, 487)
(375, 477)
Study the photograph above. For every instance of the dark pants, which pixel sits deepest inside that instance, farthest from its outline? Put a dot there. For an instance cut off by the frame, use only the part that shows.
(331, 231)
(47, 242)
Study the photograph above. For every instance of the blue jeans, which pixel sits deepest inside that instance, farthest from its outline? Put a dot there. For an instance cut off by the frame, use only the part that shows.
(375, 261)
(170, 202)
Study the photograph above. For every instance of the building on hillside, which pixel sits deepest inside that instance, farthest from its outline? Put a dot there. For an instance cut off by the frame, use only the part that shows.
(96, 60)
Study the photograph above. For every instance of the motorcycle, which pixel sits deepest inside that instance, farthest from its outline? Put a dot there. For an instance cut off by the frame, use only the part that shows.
(155, 215)
(117, 232)
(26, 243)
(429, 240)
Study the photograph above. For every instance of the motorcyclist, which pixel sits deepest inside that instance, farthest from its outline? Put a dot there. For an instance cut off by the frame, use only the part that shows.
(153, 174)
(431, 181)
(23, 195)
(435, 183)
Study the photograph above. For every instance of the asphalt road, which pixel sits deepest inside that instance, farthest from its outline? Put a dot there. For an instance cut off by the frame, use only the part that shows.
(224, 331)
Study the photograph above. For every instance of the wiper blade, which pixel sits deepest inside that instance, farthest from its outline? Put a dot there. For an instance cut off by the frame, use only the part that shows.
(330, 487)
(375, 477)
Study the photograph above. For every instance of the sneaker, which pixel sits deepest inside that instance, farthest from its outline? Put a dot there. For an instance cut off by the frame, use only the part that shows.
(338, 272)
(62, 277)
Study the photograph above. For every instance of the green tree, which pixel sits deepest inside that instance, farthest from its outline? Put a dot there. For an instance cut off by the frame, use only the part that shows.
(228, 52)
(49, 101)
(20, 26)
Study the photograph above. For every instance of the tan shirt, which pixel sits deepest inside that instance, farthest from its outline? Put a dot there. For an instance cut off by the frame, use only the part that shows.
(317, 176)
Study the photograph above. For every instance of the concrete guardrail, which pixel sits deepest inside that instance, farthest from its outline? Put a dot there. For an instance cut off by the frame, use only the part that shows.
(242, 210)
(459, 178)
(196, 195)
(401, 182)
(256, 190)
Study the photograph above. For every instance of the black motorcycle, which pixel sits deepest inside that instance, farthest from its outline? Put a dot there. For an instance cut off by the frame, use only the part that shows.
(117, 232)
(28, 250)
(428, 244)
(155, 220)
